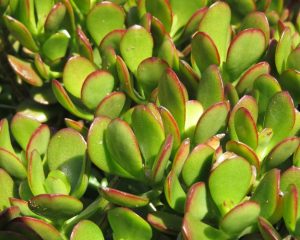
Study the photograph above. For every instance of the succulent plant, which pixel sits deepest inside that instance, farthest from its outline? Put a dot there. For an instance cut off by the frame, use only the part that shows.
(145, 119)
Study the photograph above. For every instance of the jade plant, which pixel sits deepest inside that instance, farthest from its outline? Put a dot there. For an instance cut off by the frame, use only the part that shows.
(143, 119)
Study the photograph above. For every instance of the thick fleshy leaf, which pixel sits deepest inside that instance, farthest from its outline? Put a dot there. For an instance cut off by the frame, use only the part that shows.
(85, 47)
(22, 128)
(204, 51)
(103, 18)
(290, 81)
(86, 229)
(290, 176)
(161, 160)
(57, 183)
(267, 194)
(21, 33)
(83, 5)
(7, 189)
(56, 46)
(25, 70)
(97, 149)
(111, 105)
(42, 10)
(216, 23)
(239, 57)
(5, 136)
(239, 218)
(8, 214)
(281, 152)
(210, 88)
(181, 156)
(267, 230)
(76, 125)
(291, 207)
(149, 73)
(66, 152)
(171, 96)
(174, 193)
(95, 87)
(170, 126)
(245, 127)
(182, 12)
(192, 229)
(12, 164)
(123, 148)
(283, 49)
(149, 133)
(242, 7)
(257, 20)
(238, 174)
(126, 224)
(280, 116)
(160, 9)
(165, 222)
(23, 207)
(55, 17)
(122, 198)
(45, 230)
(75, 72)
(55, 206)
(194, 110)
(293, 60)
(135, 46)
(244, 151)
(64, 99)
(246, 81)
(198, 164)
(39, 140)
(211, 121)
(196, 201)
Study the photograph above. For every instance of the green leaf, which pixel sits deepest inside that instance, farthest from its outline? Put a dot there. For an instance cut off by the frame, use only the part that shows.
(21, 33)
(171, 96)
(86, 229)
(83, 5)
(204, 51)
(257, 20)
(198, 164)
(293, 59)
(291, 208)
(85, 47)
(229, 183)
(267, 230)
(67, 152)
(57, 183)
(135, 46)
(128, 225)
(161, 160)
(112, 105)
(161, 9)
(239, 57)
(280, 116)
(281, 152)
(193, 112)
(174, 193)
(197, 201)
(149, 73)
(45, 230)
(290, 81)
(56, 46)
(247, 79)
(23, 207)
(55, 206)
(211, 121)
(42, 10)
(55, 17)
(181, 156)
(75, 72)
(22, 128)
(122, 198)
(192, 228)
(12, 164)
(267, 195)
(95, 87)
(216, 24)
(123, 148)
(239, 218)
(103, 18)
(149, 133)
(7, 189)
(165, 222)
(64, 99)
(210, 88)
(25, 70)
(290, 176)
(5, 141)
(283, 50)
